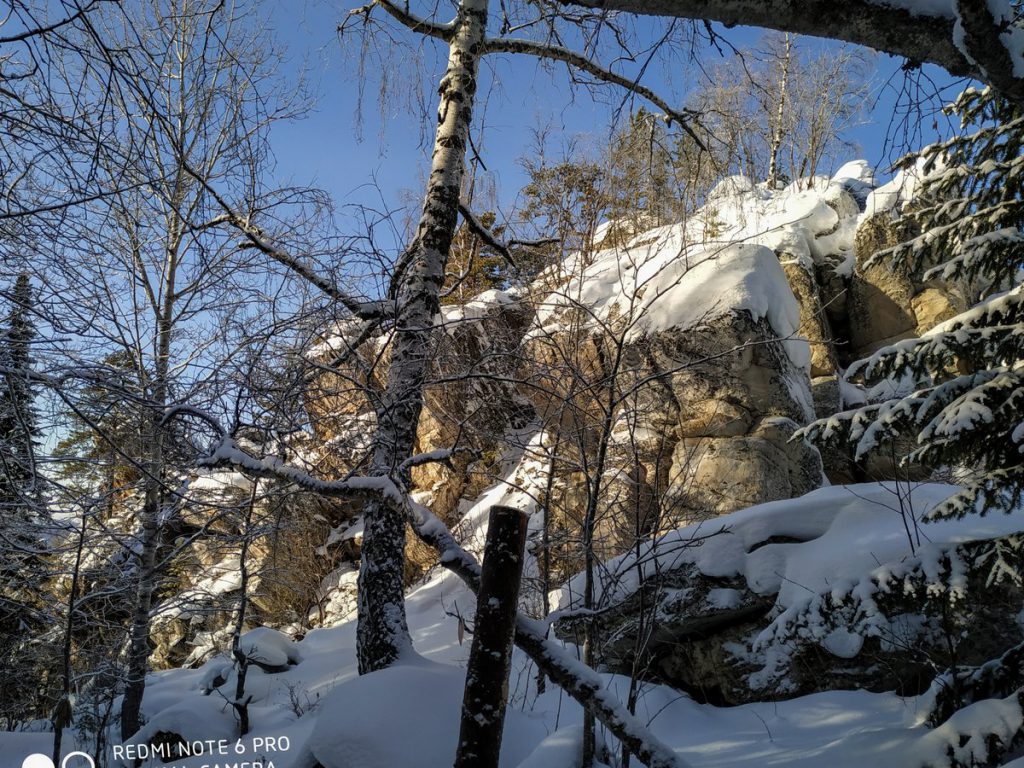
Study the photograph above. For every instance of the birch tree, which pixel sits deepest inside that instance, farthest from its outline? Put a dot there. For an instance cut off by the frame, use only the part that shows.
(409, 309)
(413, 295)
(152, 277)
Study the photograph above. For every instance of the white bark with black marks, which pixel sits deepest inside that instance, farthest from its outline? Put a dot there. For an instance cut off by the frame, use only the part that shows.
(383, 634)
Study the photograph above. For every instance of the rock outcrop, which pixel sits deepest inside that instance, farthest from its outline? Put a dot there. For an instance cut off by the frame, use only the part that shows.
(690, 359)
(772, 601)
(655, 383)
(886, 304)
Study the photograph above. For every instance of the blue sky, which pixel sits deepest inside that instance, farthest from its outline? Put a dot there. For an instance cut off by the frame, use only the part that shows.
(384, 163)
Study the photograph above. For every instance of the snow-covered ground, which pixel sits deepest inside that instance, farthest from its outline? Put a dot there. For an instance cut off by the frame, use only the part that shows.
(409, 715)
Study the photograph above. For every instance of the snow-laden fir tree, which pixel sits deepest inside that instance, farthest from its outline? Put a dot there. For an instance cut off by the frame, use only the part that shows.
(963, 411)
(967, 408)
(19, 429)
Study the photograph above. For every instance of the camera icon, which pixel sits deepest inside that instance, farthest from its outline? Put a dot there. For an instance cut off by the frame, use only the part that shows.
(71, 760)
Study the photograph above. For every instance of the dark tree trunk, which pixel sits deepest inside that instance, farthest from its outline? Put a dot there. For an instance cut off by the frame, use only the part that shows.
(138, 642)
(486, 695)
(580, 682)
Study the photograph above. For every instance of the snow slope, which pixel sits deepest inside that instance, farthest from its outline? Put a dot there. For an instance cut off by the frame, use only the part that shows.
(408, 716)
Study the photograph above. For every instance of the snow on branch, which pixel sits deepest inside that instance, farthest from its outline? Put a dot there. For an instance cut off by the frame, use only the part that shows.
(404, 17)
(575, 678)
(993, 44)
(438, 456)
(228, 453)
(578, 680)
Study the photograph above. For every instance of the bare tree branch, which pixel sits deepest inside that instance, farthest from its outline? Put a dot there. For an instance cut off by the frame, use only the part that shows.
(683, 117)
(404, 17)
(255, 238)
(885, 27)
(478, 229)
(43, 30)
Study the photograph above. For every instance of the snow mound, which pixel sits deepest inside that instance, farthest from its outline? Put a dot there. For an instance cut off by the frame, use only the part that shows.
(406, 716)
(194, 719)
(562, 749)
(409, 715)
(268, 647)
(795, 547)
(845, 543)
(724, 260)
(892, 196)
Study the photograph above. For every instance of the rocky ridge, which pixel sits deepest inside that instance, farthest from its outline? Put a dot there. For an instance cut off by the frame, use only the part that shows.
(666, 374)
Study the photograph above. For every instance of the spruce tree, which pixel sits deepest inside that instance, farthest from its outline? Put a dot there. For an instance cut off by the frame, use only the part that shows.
(101, 449)
(20, 602)
(967, 410)
(964, 414)
(19, 423)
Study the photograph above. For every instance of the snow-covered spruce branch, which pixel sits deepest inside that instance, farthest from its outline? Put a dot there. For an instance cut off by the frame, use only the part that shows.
(933, 414)
(1000, 490)
(936, 353)
(941, 148)
(942, 579)
(575, 678)
(996, 678)
(973, 235)
(1004, 309)
(549, 52)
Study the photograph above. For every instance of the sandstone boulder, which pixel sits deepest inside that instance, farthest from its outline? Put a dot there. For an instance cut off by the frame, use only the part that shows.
(886, 304)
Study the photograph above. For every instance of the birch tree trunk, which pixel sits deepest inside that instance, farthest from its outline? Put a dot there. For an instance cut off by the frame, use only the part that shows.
(150, 516)
(383, 634)
(775, 142)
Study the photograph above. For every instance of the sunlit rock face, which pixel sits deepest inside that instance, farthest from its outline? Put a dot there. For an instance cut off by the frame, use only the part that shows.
(654, 382)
